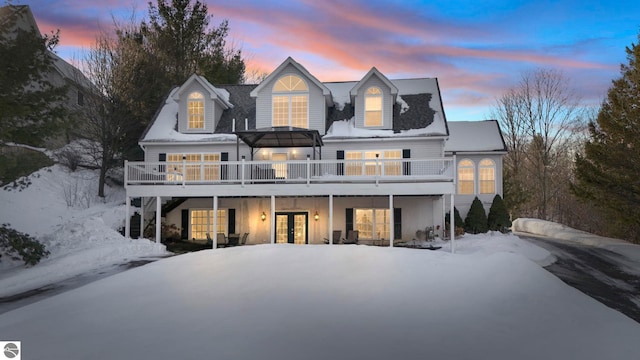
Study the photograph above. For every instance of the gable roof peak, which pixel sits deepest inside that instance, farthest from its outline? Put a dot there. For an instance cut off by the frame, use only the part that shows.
(375, 72)
(214, 93)
(290, 61)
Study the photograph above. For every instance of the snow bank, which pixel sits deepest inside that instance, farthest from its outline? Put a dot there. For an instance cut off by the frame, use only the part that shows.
(61, 209)
(325, 302)
(563, 232)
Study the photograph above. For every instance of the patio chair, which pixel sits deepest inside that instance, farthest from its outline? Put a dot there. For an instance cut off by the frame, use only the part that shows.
(352, 237)
(222, 240)
(243, 240)
(337, 234)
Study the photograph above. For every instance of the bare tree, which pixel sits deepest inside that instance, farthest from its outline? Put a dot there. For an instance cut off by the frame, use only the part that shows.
(539, 117)
(105, 119)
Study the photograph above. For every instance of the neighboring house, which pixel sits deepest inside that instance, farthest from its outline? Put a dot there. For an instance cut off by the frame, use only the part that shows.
(63, 73)
(293, 159)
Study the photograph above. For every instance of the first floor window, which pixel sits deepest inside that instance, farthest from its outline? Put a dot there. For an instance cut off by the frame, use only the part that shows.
(201, 221)
(372, 223)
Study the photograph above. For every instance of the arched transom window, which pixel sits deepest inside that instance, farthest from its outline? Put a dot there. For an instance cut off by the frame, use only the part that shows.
(487, 175)
(195, 111)
(466, 179)
(373, 107)
(291, 102)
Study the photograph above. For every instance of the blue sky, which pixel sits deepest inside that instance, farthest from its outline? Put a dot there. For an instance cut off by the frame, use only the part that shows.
(476, 49)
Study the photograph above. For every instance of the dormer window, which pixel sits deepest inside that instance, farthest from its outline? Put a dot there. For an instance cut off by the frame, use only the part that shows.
(195, 110)
(373, 107)
(291, 102)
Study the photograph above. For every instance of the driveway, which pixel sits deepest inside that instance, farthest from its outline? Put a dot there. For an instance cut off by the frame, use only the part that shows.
(611, 278)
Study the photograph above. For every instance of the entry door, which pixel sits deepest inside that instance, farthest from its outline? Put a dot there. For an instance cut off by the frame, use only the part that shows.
(291, 227)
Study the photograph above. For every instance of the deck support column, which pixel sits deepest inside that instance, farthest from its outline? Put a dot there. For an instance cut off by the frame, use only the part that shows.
(331, 219)
(273, 219)
(158, 218)
(452, 227)
(215, 222)
(141, 236)
(127, 219)
(391, 220)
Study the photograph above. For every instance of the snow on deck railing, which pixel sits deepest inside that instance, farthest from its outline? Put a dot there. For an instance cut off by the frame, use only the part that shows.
(295, 171)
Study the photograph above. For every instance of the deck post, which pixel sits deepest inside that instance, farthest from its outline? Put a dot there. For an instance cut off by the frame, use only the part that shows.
(158, 218)
(215, 222)
(273, 219)
(141, 236)
(331, 219)
(452, 226)
(391, 220)
(127, 219)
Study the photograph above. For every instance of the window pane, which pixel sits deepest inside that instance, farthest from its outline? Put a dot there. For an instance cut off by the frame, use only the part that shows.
(382, 224)
(354, 163)
(373, 109)
(280, 111)
(290, 83)
(299, 111)
(466, 177)
(487, 176)
(364, 223)
(195, 111)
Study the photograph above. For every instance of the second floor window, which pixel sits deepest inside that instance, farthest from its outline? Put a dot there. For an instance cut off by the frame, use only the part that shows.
(487, 175)
(290, 102)
(195, 111)
(373, 107)
(466, 178)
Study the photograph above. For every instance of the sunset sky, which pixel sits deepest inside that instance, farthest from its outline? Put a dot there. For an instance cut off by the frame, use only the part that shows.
(476, 49)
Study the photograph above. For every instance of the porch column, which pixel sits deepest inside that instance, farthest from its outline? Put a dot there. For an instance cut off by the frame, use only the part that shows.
(158, 218)
(141, 236)
(215, 222)
(127, 219)
(273, 219)
(452, 227)
(331, 219)
(391, 231)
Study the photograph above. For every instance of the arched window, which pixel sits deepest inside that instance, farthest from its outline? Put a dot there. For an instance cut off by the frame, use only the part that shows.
(195, 111)
(487, 175)
(373, 107)
(466, 180)
(291, 102)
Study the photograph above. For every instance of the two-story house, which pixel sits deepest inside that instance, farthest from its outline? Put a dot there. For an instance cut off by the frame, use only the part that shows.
(293, 159)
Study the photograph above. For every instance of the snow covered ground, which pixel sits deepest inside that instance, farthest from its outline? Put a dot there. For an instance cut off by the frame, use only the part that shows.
(60, 208)
(491, 299)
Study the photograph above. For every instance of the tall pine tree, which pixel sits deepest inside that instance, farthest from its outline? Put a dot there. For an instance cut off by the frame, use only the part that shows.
(31, 106)
(608, 174)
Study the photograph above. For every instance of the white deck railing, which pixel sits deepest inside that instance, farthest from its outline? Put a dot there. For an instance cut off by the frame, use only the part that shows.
(288, 172)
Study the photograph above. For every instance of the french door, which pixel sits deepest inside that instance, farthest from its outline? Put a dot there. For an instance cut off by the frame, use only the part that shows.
(292, 227)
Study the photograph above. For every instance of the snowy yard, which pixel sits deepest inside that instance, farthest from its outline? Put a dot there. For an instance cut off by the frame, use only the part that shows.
(492, 299)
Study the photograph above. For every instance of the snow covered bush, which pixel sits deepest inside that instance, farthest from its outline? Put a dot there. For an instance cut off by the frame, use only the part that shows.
(20, 246)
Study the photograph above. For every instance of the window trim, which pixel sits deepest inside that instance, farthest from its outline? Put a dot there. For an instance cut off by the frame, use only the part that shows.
(209, 225)
(174, 166)
(290, 93)
(193, 98)
(481, 167)
(385, 234)
(472, 166)
(373, 92)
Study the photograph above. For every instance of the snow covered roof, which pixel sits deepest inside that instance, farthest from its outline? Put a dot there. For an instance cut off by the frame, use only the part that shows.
(475, 136)
(417, 112)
